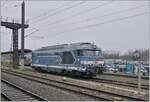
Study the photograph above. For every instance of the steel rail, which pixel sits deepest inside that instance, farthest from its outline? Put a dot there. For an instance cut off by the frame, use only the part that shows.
(80, 91)
(102, 94)
(6, 97)
(13, 92)
(125, 75)
(122, 83)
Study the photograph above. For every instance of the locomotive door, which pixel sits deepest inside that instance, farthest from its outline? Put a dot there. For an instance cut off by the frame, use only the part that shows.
(67, 58)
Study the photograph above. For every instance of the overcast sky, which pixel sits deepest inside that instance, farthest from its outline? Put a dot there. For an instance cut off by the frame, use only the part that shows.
(112, 25)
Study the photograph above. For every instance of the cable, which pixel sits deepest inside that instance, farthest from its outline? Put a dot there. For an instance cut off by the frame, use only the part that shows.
(14, 5)
(78, 14)
(4, 3)
(101, 23)
(31, 33)
(62, 10)
(37, 37)
(109, 14)
(32, 19)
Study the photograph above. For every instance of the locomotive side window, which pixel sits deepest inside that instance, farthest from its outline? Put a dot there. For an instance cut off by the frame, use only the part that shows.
(67, 58)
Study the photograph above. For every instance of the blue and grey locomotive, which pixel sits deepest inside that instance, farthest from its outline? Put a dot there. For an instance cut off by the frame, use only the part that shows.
(84, 59)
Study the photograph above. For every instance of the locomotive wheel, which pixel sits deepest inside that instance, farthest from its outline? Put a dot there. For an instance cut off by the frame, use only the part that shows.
(89, 75)
(69, 73)
(74, 73)
(100, 71)
(64, 72)
(37, 69)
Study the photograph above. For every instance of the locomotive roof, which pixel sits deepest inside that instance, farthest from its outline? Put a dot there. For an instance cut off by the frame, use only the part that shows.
(67, 47)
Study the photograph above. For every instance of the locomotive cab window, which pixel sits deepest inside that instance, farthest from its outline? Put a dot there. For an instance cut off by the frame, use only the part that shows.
(67, 58)
(79, 53)
(88, 52)
(56, 53)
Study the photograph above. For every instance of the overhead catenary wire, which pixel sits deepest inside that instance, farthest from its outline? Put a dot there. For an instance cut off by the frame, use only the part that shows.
(95, 18)
(37, 37)
(4, 3)
(60, 11)
(82, 11)
(78, 14)
(101, 23)
(121, 11)
(44, 14)
(31, 33)
(86, 10)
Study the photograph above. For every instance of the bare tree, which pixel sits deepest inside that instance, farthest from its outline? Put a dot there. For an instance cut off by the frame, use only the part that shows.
(144, 55)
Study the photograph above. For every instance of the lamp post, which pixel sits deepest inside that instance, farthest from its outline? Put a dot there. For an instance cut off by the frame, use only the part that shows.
(136, 57)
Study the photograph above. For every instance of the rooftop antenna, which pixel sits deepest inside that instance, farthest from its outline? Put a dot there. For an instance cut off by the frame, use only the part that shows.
(93, 42)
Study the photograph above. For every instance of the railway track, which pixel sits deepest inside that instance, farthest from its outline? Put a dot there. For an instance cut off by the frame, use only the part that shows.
(5, 98)
(111, 81)
(92, 92)
(11, 92)
(125, 75)
(116, 82)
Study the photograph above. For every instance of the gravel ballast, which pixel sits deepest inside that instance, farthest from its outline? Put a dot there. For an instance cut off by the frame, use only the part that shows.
(91, 84)
(48, 92)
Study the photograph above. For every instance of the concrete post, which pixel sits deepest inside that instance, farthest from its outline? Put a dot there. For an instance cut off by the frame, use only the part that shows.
(139, 77)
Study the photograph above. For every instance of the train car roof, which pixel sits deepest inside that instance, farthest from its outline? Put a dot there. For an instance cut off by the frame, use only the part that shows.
(10, 52)
(66, 47)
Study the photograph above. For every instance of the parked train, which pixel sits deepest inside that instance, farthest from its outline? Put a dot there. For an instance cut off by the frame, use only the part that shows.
(8, 56)
(81, 59)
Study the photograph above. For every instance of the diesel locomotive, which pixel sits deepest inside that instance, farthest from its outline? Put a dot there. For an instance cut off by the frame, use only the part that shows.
(81, 59)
